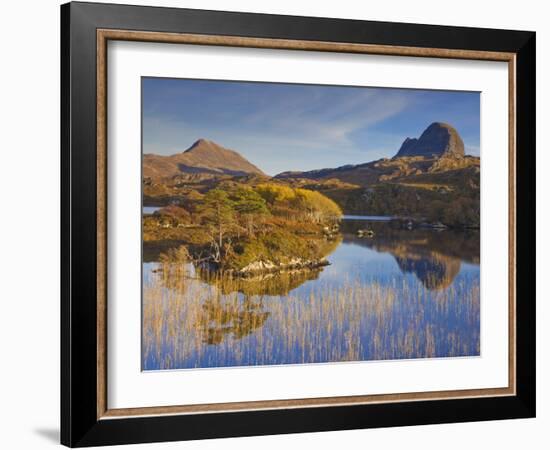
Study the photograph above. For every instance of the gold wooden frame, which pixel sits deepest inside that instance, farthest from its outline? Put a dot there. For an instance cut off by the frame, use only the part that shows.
(103, 36)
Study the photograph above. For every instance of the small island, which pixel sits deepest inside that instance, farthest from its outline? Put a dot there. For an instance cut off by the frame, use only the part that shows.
(245, 229)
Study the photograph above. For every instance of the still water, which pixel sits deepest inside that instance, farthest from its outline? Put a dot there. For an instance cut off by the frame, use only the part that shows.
(398, 294)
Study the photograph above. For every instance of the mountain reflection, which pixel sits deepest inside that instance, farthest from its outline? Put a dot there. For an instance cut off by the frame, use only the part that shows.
(434, 271)
(433, 256)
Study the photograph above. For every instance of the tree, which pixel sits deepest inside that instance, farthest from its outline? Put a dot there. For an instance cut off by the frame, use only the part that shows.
(250, 205)
(302, 203)
(247, 201)
(317, 207)
(218, 214)
(275, 193)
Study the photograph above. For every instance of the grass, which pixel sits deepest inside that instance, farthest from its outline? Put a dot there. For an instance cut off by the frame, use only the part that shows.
(189, 322)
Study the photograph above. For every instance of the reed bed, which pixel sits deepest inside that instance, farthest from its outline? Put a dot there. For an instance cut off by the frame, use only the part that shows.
(189, 322)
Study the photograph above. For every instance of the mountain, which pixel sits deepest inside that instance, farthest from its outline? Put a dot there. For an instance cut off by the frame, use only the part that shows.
(439, 149)
(360, 174)
(203, 157)
(438, 140)
(429, 178)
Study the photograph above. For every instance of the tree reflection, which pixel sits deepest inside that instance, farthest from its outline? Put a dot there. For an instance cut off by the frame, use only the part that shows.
(220, 319)
(274, 283)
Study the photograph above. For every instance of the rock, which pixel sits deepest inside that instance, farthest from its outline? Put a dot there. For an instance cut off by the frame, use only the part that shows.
(438, 140)
(363, 233)
(407, 147)
(265, 267)
(438, 225)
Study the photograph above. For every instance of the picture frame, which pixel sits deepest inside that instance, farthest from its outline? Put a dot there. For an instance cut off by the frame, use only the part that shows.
(86, 418)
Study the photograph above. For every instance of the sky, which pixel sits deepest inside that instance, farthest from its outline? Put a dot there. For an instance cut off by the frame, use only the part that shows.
(280, 127)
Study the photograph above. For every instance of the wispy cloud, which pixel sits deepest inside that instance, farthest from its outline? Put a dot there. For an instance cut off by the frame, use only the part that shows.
(322, 115)
(293, 127)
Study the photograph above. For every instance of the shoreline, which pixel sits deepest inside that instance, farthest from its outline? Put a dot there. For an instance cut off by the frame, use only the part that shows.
(418, 222)
(261, 268)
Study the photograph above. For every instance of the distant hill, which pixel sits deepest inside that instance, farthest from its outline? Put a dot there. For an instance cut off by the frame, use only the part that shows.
(429, 178)
(439, 149)
(203, 157)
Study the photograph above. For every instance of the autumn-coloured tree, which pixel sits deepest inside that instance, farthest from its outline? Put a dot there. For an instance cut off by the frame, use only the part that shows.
(316, 206)
(275, 193)
(303, 203)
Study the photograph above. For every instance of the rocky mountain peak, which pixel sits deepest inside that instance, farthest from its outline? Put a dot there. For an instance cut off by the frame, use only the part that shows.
(438, 140)
(202, 144)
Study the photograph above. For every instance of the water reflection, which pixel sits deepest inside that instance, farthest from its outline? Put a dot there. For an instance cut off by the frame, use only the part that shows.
(435, 271)
(434, 256)
(220, 319)
(270, 284)
(400, 294)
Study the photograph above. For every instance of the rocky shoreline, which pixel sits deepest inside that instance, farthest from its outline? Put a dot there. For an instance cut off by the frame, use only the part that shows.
(259, 268)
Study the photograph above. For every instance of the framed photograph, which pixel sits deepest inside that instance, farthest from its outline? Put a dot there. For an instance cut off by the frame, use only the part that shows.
(276, 224)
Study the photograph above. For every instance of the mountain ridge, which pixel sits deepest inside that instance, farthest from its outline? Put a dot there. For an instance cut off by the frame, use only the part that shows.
(202, 157)
(435, 182)
(438, 149)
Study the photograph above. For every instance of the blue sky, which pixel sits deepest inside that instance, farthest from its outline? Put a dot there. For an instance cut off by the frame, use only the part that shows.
(281, 127)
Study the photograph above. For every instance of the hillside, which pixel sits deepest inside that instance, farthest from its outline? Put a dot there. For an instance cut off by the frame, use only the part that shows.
(439, 149)
(203, 157)
(429, 179)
